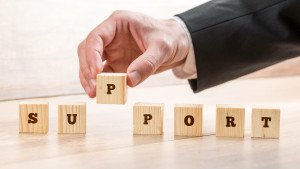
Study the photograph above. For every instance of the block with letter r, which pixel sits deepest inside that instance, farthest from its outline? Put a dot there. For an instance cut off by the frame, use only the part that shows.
(230, 121)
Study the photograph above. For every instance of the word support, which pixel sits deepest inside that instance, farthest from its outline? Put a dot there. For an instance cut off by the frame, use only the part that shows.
(148, 118)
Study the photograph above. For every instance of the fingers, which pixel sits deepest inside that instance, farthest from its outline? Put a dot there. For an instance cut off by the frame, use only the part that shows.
(84, 83)
(93, 53)
(84, 66)
(96, 41)
(107, 68)
(90, 54)
(87, 78)
(144, 66)
(92, 93)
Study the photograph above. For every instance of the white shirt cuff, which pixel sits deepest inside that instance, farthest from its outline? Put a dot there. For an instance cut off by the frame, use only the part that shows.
(188, 69)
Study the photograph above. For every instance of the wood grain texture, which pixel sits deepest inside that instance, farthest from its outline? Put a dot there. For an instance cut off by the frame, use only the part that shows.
(111, 88)
(33, 117)
(265, 123)
(188, 120)
(72, 118)
(148, 118)
(109, 142)
(230, 121)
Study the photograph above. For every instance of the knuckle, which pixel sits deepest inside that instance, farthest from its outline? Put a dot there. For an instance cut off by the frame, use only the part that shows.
(165, 45)
(119, 14)
(166, 48)
(90, 38)
(151, 62)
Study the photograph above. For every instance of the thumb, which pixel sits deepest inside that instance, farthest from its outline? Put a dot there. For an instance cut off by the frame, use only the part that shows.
(143, 66)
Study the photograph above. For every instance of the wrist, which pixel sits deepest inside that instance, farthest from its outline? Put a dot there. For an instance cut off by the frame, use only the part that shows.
(187, 70)
(181, 43)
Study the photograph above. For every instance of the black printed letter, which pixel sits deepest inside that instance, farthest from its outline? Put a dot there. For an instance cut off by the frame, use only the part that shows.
(230, 121)
(147, 117)
(32, 118)
(186, 120)
(110, 87)
(74, 118)
(266, 119)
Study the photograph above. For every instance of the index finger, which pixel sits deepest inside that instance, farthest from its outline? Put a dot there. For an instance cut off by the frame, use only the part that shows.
(96, 41)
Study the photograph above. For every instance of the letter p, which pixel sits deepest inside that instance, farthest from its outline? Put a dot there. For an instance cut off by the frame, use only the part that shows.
(110, 87)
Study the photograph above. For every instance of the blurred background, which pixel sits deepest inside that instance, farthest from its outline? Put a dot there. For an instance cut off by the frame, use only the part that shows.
(39, 38)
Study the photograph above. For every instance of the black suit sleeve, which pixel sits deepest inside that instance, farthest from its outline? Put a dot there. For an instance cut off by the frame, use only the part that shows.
(232, 38)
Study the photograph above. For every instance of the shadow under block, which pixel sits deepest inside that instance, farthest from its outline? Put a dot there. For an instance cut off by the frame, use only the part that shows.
(230, 121)
(265, 123)
(33, 118)
(72, 118)
(188, 120)
(148, 118)
(111, 88)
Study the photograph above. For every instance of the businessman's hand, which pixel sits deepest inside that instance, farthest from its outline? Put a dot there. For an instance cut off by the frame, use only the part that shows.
(134, 43)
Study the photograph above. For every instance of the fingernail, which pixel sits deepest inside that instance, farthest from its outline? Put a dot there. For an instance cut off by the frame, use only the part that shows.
(135, 77)
(87, 90)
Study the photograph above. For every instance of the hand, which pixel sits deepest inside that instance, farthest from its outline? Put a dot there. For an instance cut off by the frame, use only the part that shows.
(134, 43)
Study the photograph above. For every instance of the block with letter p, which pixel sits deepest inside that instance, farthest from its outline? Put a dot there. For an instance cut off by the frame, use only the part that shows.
(33, 117)
(148, 118)
(111, 88)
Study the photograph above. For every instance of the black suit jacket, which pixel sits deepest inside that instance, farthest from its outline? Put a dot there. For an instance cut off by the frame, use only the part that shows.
(232, 38)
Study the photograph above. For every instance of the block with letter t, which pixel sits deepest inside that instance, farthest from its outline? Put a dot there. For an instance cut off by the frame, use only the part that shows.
(265, 122)
(111, 88)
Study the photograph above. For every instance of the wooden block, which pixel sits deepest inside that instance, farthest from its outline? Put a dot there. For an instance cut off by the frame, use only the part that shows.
(111, 88)
(33, 117)
(230, 121)
(72, 118)
(148, 118)
(265, 123)
(188, 120)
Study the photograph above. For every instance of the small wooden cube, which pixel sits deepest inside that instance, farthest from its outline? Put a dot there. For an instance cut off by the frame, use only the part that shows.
(230, 121)
(148, 118)
(33, 117)
(265, 123)
(111, 88)
(188, 120)
(72, 118)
